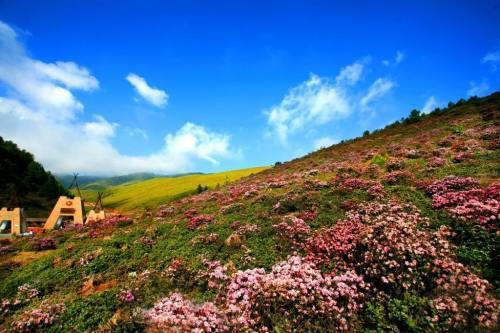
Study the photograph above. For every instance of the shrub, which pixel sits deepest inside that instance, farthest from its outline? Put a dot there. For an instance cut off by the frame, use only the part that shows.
(175, 313)
(41, 244)
(292, 229)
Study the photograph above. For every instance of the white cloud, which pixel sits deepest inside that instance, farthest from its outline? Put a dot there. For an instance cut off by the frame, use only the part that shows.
(398, 58)
(155, 96)
(321, 100)
(478, 88)
(492, 58)
(100, 128)
(351, 74)
(45, 86)
(430, 104)
(378, 88)
(313, 102)
(324, 142)
(40, 114)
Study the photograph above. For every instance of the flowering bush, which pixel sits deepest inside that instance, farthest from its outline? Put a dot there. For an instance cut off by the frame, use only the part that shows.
(214, 274)
(126, 296)
(334, 244)
(399, 177)
(477, 205)
(463, 298)
(292, 229)
(7, 249)
(247, 229)
(452, 183)
(205, 239)
(296, 290)
(177, 314)
(164, 211)
(41, 244)
(308, 215)
(372, 187)
(38, 318)
(25, 293)
(196, 221)
(462, 156)
(436, 162)
(395, 164)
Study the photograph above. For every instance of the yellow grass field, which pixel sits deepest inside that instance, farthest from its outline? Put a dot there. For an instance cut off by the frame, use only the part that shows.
(153, 192)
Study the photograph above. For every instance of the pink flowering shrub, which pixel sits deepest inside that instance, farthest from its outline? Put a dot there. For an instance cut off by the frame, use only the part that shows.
(372, 187)
(452, 183)
(399, 177)
(436, 162)
(7, 249)
(308, 215)
(335, 244)
(462, 156)
(205, 239)
(395, 164)
(246, 229)
(215, 274)
(41, 244)
(38, 318)
(297, 292)
(126, 296)
(177, 314)
(463, 298)
(164, 211)
(292, 229)
(481, 206)
(198, 220)
(25, 293)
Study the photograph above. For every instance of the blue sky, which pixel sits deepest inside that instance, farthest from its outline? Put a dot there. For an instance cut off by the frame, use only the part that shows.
(228, 84)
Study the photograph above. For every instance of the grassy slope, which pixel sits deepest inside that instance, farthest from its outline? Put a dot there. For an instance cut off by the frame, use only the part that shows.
(152, 192)
(60, 278)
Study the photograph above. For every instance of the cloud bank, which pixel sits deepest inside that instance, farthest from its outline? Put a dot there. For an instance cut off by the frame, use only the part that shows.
(41, 113)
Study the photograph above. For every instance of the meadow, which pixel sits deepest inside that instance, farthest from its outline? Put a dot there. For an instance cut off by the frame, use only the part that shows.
(395, 231)
(153, 192)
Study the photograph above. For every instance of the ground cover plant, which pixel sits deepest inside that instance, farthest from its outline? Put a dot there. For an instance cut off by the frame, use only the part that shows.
(389, 232)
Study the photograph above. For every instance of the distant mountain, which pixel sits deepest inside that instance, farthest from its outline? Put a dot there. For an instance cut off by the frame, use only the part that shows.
(24, 182)
(99, 183)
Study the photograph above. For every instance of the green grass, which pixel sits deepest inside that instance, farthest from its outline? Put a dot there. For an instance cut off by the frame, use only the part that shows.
(153, 192)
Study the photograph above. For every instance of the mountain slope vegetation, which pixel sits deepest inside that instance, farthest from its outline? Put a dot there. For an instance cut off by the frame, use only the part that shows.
(395, 231)
(24, 182)
(151, 193)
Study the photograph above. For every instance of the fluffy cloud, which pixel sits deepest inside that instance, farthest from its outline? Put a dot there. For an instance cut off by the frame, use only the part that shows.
(478, 88)
(40, 113)
(155, 96)
(321, 100)
(313, 102)
(430, 104)
(44, 86)
(492, 58)
(379, 88)
(351, 74)
(324, 142)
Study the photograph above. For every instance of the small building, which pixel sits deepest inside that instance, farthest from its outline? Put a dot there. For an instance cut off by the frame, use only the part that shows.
(65, 209)
(11, 222)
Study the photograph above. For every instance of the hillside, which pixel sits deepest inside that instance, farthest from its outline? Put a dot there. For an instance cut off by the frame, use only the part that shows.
(152, 192)
(395, 231)
(24, 182)
(100, 183)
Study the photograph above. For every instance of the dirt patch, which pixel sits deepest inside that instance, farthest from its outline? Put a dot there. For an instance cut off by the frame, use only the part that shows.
(94, 285)
(25, 257)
